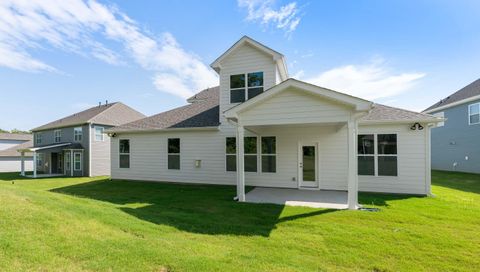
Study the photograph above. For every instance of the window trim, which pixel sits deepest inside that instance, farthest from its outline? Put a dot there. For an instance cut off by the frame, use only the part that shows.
(38, 138)
(123, 153)
(59, 136)
(245, 88)
(75, 134)
(178, 154)
(375, 154)
(75, 161)
(95, 133)
(470, 114)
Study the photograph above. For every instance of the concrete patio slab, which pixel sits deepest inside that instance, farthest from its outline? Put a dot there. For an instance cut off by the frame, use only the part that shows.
(296, 197)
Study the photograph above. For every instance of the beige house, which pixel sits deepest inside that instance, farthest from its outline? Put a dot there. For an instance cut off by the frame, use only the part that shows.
(261, 128)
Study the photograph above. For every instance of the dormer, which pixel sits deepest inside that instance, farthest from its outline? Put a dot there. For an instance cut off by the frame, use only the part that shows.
(247, 69)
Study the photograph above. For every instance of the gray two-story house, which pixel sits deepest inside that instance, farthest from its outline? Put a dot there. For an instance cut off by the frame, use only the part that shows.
(77, 145)
(456, 142)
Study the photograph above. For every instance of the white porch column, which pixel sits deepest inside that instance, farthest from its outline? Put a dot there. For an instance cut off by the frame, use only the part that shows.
(34, 164)
(352, 166)
(71, 163)
(240, 164)
(22, 163)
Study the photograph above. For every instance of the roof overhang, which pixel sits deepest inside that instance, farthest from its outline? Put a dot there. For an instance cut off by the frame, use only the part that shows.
(356, 103)
(453, 104)
(387, 122)
(136, 131)
(35, 149)
(278, 58)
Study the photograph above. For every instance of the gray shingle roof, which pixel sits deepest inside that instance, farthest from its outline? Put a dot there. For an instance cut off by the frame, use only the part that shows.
(113, 114)
(468, 91)
(16, 136)
(12, 151)
(384, 113)
(202, 112)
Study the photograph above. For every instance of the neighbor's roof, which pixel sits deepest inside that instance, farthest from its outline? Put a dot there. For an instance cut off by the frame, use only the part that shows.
(16, 136)
(202, 112)
(12, 151)
(471, 90)
(382, 113)
(113, 114)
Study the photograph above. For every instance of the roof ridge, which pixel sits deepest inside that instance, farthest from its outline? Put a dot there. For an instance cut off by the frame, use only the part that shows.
(416, 112)
(111, 105)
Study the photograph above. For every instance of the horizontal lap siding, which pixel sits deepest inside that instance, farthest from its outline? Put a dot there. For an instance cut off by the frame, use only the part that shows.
(411, 162)
(13, 164)
(149, 157)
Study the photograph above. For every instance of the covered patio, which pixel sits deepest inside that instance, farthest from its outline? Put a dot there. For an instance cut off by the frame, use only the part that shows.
(294, 197)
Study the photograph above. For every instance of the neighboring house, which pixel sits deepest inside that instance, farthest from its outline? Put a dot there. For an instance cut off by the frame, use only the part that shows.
(77, 145)
(259, 127)
(455, 142)
(10, 158)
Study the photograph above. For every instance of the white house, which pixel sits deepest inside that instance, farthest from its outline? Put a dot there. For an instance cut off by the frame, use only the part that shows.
(10, 158)
(261, 128)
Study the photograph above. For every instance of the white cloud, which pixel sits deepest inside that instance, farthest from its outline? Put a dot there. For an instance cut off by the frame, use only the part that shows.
(370, 81)
(285, 18)
(84, 28)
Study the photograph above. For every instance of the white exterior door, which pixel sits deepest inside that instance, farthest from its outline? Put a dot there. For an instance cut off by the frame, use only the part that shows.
(308, 165)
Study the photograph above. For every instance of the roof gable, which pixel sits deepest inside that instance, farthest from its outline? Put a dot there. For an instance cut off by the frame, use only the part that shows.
(278, 58)
(340, 98)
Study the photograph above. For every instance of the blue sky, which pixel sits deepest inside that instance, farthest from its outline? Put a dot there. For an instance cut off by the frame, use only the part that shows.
(57, 58)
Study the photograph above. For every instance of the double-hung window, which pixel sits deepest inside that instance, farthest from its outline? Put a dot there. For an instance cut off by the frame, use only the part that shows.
(245, 86)
(250, 149)
(269, 157)
(377, 155)
(77, 161)
(77, 134)
(99, 136)
(231, 154)
(57, 134)
(124, 153)
(174, 153)
(38, 138)
(474, 114)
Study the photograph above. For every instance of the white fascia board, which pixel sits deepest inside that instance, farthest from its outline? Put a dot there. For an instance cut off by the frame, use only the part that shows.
(463, 101)
(138, 131)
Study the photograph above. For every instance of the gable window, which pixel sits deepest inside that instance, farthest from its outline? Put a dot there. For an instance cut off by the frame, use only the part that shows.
(174, 153)
(77, 134)
(38, 138)
(250, 147)
(269, 157)
(57, 135)
(124, 153)
(377, 155)
(77, 161)
(99, 136)
(474, 114)
(231, 154)
(245, 86)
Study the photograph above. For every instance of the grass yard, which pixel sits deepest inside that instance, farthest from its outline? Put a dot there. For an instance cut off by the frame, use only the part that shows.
(79, 224)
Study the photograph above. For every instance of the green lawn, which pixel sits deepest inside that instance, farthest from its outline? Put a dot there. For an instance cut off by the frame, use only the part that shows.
(78, 224)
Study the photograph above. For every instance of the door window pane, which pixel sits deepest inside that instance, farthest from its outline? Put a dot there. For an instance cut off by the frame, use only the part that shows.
(308, 168)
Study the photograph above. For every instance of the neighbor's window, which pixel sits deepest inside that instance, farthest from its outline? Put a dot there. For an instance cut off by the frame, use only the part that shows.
(269, 156)
(77, 161)
(40, 160)
(99, 134)
(124, 152)
(174, 153)
(231, 154)
(57, 135)
(77, 134)
(38, 138)
(377, 155)
(474, 114)
(250, 149)
(245, 86)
